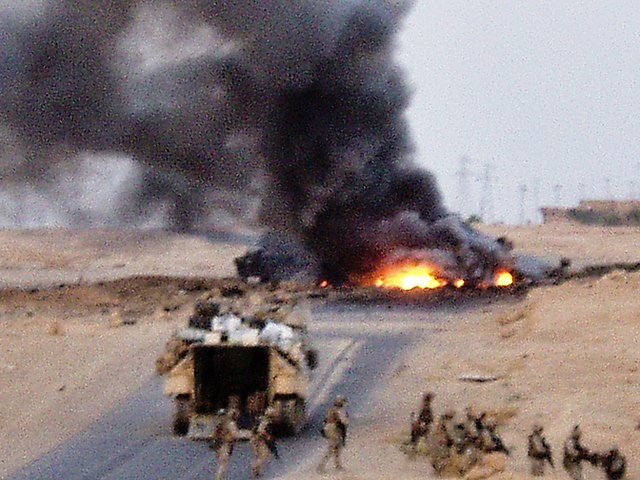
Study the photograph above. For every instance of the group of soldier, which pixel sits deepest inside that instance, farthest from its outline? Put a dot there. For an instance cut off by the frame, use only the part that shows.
(263, 442)
(575, 454)
(454, 446)
(261, 438)
(457, 446)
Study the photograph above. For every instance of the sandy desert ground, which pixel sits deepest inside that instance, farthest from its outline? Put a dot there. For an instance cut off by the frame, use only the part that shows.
(74, 342)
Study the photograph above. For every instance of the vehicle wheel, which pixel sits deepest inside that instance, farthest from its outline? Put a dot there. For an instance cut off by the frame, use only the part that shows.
(181, 415)
(312, 359)
(292, 414)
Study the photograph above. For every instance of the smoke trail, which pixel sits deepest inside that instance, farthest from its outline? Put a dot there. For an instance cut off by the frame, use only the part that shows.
(209, 95)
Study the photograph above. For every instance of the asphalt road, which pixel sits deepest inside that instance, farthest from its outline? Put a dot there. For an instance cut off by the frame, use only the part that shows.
(357, 346)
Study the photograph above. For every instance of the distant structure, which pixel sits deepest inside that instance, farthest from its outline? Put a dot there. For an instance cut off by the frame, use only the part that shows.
(595, 212)
(463, 175)
(486, 201)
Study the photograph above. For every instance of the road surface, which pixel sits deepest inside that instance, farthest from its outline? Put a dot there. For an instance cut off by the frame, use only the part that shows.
(358, 346)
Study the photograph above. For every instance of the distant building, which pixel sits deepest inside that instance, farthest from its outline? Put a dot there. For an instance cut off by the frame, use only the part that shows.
(622, 207)
(555, 215)
(603, 212)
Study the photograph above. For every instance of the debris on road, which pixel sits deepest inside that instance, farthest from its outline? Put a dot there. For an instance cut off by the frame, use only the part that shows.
(478, 378)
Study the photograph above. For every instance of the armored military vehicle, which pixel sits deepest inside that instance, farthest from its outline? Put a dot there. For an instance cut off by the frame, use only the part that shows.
(224, 361)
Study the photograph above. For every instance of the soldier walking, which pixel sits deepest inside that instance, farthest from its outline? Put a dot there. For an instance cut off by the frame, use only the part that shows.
(575, 453)
(441, 442)
(335, 431)
(614, 464)
(538, 451)
(490, 441)
(473, 425)
(421, 425)
(225, 437)
(263, 441)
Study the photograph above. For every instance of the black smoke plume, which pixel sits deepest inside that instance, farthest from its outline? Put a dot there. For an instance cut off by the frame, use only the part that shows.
(302, 97)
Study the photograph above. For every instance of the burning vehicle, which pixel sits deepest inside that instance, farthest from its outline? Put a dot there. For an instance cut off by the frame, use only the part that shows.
(458, 257)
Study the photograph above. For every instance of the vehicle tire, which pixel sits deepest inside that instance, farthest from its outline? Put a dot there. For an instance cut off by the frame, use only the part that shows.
(292, 415)
(181, 415)
(312, 359)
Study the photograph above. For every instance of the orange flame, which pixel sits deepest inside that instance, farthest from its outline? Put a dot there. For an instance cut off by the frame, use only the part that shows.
(408, 277)
(324, 284)
(503, 279)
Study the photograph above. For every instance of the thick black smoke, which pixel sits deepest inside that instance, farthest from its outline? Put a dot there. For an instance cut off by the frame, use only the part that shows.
(215, 95)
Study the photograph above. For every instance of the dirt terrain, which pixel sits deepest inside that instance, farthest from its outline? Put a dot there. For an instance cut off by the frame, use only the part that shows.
(75, 340)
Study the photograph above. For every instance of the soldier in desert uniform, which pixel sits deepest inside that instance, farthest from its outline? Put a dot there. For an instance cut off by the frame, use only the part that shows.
(464, 453)
(538, 451)
(335, 431)
(472, 427)
(263, 441)
(489, 440)
(224, 439)
(421, 425)
(575, 453)
(441, 442)
(614, 464)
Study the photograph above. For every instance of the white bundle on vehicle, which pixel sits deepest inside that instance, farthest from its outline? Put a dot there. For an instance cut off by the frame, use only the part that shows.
(226, 323)
(244, 336)
(278, 334)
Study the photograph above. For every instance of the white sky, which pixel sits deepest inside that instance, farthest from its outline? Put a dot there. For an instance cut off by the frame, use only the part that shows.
(545, 91)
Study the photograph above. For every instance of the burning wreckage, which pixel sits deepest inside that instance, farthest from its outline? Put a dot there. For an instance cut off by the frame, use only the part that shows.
(458, 257)
(229, 357)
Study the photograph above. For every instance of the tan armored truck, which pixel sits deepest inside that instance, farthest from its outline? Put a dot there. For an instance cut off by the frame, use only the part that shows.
(224, 361)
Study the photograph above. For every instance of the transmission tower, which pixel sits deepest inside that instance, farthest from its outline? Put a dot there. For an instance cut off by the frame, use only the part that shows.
(463, 186)
(582, 188)
(486, 201)
(607, 188)
(536, 199)
(523, 196)
(557, 194)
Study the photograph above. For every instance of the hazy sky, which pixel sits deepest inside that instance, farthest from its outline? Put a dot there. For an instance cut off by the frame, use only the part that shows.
(547, 93)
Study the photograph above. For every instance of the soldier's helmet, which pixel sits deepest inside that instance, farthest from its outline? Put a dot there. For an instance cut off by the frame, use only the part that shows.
(449, 413)
(537, 428)
(427, 397)
(339, 401)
